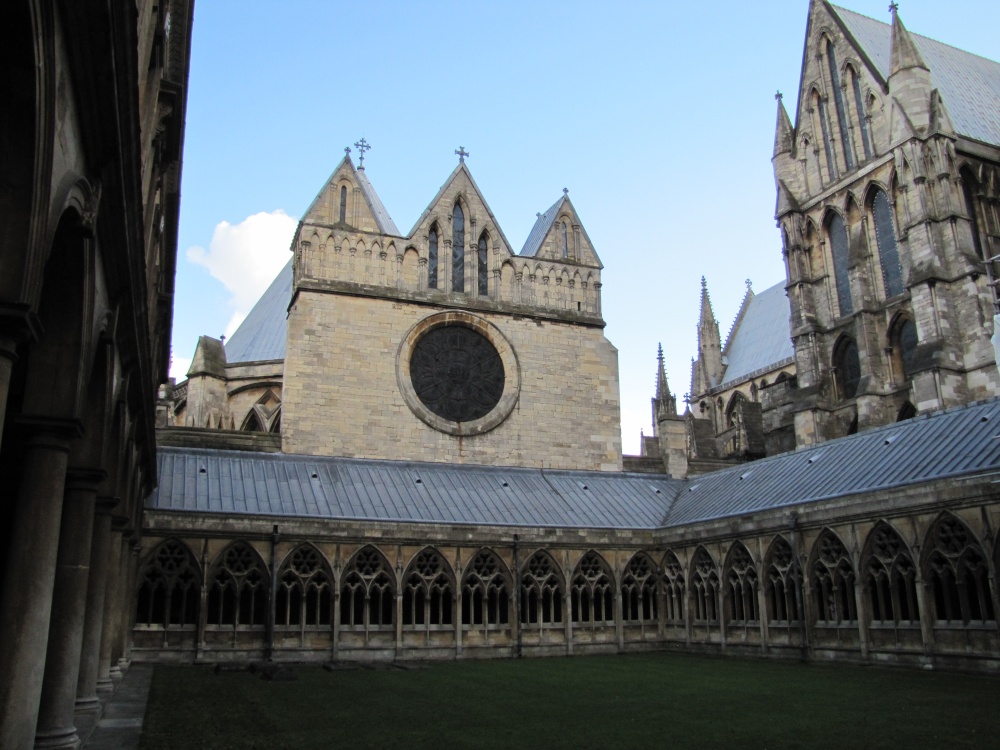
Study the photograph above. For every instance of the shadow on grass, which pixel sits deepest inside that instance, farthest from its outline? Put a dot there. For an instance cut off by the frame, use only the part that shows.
(651, 700)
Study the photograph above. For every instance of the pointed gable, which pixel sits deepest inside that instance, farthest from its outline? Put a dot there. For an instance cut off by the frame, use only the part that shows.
(558, 234)
(462, 187)
(349, 194)
(760, 337)
(968, 84)
(263, 332)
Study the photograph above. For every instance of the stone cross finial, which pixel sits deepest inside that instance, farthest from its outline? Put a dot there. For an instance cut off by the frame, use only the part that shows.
(704, 286)
(347, 150)
(893, 8)
(565, 191)
(362, 146)
(747, 282)
(779, 96)
(462, 153)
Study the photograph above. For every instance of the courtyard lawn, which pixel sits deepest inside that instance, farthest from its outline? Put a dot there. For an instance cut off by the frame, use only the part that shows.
(634, 701)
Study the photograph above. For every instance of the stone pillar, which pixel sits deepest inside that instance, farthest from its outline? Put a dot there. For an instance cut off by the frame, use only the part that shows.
(762, 614)
(8, 355)
(861, 606)
(567, 618)
(100, 558)
(457, 616)
(28, 581)
(124, 602)
(620, 619)
(62, 663)
(926, 616)
(107, 667)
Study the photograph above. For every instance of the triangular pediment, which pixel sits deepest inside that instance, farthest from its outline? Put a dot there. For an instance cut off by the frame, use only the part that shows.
(558, 234)
(348, 199)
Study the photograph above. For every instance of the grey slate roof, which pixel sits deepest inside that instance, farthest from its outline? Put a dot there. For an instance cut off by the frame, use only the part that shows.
(262, 334)
(541, 228)
(953, 443)
(385, 223)
(760, 339)
(969, 84)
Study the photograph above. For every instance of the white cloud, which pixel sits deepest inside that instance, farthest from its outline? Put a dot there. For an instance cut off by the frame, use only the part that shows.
(246, 257)
(179, 367)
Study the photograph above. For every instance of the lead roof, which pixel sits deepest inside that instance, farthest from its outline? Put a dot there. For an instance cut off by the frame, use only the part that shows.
(760, 337)
(955, 443)
(261, 336)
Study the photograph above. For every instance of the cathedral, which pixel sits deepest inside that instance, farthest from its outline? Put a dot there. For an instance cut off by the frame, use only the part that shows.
(410, 449)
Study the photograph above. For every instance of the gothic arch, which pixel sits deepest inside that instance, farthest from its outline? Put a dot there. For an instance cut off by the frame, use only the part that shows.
(592, 591)
(956, 573)
(832, 580)
(541, 591)
(883, 224)
(674, 589)
(704, 577)
(640, 591)
(846, 363)
(304, 594)
(902, 341)
(889, 576)
(237, 587)
(839, 245)
(782, 582)
(428, 587)
(971, 191)
(367, 591)
(486, 591)
(169, 587)
(741, 585)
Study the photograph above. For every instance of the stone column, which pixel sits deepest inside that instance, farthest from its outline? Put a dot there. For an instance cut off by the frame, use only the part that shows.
(926, 616)
(56, 728)
(762, 614)
(28, 581)
(107, 667)
(8, 355)
(100, 558)
(861, 606)
(335, 624)
(620, 619)
(457, 618)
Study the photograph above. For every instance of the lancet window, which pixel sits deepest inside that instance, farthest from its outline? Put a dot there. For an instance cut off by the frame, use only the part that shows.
(969, 186)
(783, 586)
(837, 233)
(838, 100)
(367, 599)
(741, 584)
(591, 592)
(485, 591)
(541, 591)
(565, 241)
(846, 367)
(639, 591)
(458, 249)
(673, 589)
(903, 342)
(427, 591)
(958, 574)
(432, 257)
(343, 203)
(304, 587)
(888, 250)
(704, 587)
(170, 588)
(860, 110)
(833, 582)
(237, 593)
(819, 106)
(482, 266)
(890, 578)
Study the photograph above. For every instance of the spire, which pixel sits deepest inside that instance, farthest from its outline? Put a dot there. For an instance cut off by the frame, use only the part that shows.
(709, 364)
(904, 49)
(783, 138)
(664, 403)
(662, 388)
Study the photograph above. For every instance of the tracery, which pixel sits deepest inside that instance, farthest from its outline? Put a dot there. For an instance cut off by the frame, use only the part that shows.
(485, 591)
(833, 582)
(427, 591)
(890, 578)
(784, 579)
(237, 593)
(304, 587)
(591, 596)
(742, 582)
(541, 592)
(673, 585)
(704, 587)
(170, 588)
(958, 573)
(639, 591)
(367, 599)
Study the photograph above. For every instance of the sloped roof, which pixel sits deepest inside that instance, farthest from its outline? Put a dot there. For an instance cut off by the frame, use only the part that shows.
(262, 334)
(953, 443)
(236, 482)
(968, 83)
(385, 223)
(541, 228)
(760, 338)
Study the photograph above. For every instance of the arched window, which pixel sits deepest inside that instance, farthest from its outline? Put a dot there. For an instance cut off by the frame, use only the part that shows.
(367, 600)
(704, 587)
(906, 411)
(846, 367)
(741, 587)
(432, 257)
(303, 595)
(838, 100)
(673, 585)
(458, 249)
(591, 593)
(482, 266)
(860, 109)
(783, 587)
(343, 203)
(639, 591)
(958, 574)
(837, 233)
(753, 389)
(170, 589)
(541, 592)
(833, 582)
(890, 578)
(888, 250)
(565, 241)
(969, 187)
(903, 342)
(485, 591)
(427, 591)
(251, 423)
(819, 105)
(237, 593)
(276, 422)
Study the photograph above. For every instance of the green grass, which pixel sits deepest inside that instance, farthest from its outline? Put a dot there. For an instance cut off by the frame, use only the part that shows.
(635, 701)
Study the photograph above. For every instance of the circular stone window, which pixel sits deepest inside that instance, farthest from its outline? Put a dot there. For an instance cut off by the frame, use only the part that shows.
(458, 373)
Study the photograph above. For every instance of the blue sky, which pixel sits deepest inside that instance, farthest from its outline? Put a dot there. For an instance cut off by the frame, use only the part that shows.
(658, 116)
